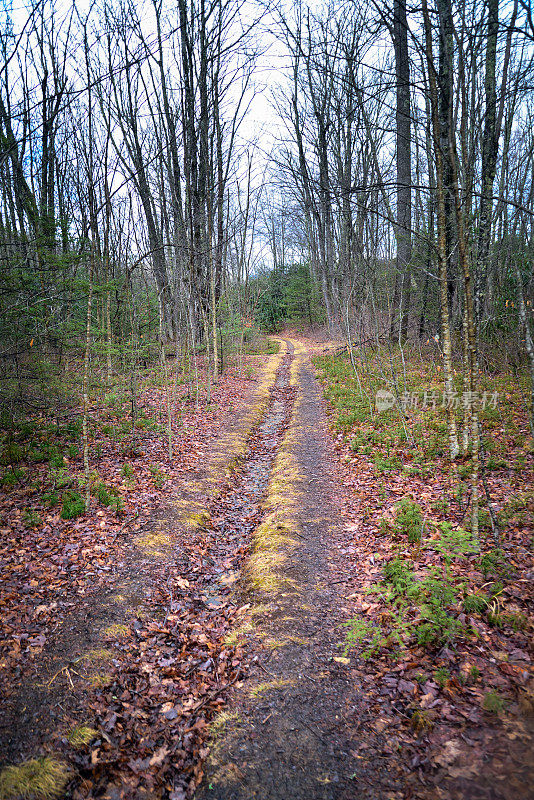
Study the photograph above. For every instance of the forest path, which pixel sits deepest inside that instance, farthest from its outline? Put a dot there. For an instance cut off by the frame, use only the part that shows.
(291, 730)
(46, 697)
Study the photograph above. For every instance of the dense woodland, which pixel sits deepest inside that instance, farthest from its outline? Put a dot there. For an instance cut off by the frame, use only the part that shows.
(138, 207)
(178, 180)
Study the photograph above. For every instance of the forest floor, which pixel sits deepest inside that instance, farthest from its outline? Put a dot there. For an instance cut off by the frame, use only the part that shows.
(259, 617)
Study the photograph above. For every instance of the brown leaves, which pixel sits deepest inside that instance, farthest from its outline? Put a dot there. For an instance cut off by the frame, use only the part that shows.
(168, 670)
(432, 700)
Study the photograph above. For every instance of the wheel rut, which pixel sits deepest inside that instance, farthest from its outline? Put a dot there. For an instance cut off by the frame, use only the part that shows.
(292, 726)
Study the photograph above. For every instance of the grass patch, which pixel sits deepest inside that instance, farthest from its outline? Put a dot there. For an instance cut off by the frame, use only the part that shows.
(263, 688)
(81, 736)
(222, 721)
(38, 779)
(232, 639)
(72, 506)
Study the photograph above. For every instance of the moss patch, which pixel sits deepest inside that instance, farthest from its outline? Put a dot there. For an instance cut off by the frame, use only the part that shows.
(99, 680)
(155, 544)
(117, 631)
(98, 656)
(199, 520)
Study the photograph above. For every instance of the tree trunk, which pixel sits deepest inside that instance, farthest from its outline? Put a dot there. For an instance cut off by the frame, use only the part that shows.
(404, 177)
(442, 240)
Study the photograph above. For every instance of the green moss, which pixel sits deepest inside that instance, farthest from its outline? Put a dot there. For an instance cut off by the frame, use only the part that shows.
(199, 520)
(155, 544)
(221, 722)
(117, 631)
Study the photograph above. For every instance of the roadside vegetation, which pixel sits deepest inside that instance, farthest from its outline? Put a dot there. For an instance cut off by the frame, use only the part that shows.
(444, 614)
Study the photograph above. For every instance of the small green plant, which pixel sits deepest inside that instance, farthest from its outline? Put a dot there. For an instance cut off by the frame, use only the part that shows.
(454, 543)
(112, 400)
(421, 721)
(72, 505)
(12, 453)
(441, 676)
(516, 620)
(501, 619)
(442, 505)
(158, 476)
(494, 563)
(118, 505)
(493, 702)
(474, 673)
(413, 470)
(103, 494)
(31, 518)
(384, 464)
(127, 470)
(359, 632)
(72, 430)
(56, 461)
(409, 520)
(60, 478)
(50, 499)
(399, 574)
(12, 477)
(475, 603)
(437, 594)
(494, 463)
